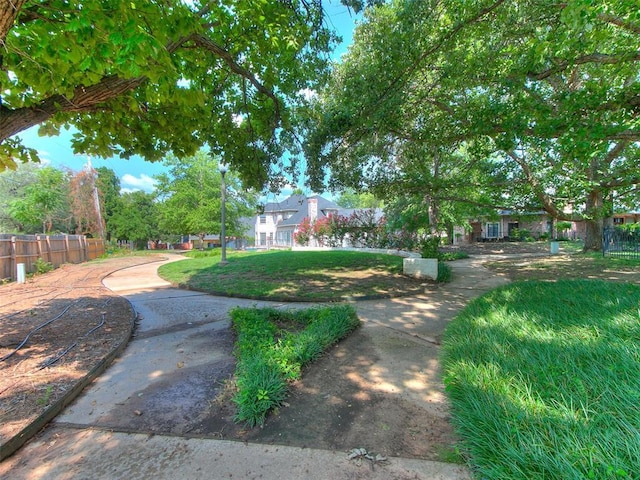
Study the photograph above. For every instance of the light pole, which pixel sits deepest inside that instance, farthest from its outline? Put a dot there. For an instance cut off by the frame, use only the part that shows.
(223, 230)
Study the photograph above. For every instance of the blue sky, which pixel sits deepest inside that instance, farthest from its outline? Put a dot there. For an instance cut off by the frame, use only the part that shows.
(136, 173)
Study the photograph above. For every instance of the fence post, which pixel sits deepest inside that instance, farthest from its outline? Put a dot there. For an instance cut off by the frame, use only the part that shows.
(66, 248)
(13, 257)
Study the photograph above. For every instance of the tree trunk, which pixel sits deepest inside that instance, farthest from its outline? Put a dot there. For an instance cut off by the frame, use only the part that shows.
(84, 99)
(594, 222)
(9, 10)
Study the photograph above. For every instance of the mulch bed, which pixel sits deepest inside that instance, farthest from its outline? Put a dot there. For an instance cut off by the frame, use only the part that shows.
(54, 330)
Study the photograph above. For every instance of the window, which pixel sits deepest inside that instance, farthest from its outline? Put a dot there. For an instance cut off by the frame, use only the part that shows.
(493, 230)
(263, 219)
(283, 237)
(618, 220)
(263, 239)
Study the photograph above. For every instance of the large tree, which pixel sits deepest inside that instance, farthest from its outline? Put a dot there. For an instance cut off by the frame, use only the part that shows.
(12, 187)
(190, 197)
(44, 204)
(152, 77)
(135, 218)
(534, 102)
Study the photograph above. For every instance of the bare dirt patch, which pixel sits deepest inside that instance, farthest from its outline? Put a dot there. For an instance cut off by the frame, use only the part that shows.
(54, 330)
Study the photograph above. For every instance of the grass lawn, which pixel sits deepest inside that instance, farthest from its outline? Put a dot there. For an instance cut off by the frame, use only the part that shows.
(578, 266)
(544, 380)
(295, 276)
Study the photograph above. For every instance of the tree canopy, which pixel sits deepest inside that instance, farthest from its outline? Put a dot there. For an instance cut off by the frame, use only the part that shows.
(43, 205)
(155, 77)
(135, 218)
(190, 197)
(526, 104)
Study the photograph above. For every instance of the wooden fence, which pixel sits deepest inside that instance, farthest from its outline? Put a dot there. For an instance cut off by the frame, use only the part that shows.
(54, 249)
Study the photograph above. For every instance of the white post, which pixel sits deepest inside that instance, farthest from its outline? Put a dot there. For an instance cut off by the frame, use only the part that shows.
(21, 274)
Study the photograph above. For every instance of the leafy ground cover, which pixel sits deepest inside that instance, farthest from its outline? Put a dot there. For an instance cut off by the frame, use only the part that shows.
(274, 345)
(295, 276)
(544, 380)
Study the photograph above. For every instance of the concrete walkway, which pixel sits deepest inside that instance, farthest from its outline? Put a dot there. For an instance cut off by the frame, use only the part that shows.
(178, 341)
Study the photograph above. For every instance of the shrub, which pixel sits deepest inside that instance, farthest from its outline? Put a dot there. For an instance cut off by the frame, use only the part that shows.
(429, 247)
(272, 347)
(303, 235)
(42, 266)
(444, 273)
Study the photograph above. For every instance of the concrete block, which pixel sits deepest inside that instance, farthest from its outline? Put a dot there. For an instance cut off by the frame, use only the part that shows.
(420, 267)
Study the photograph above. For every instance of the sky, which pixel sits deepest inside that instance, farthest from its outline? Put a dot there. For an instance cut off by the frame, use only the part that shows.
(136, 173)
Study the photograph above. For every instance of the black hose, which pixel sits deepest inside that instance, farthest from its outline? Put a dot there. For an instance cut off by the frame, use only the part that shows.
(58, 356)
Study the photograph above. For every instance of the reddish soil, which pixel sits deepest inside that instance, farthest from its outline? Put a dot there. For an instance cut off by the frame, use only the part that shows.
(84, 323)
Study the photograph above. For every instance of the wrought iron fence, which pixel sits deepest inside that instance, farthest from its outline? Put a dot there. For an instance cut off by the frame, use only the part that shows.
(620, 242)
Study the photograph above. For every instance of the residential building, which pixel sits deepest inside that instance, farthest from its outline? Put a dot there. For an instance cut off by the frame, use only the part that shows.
(276, 224)
(509, 224)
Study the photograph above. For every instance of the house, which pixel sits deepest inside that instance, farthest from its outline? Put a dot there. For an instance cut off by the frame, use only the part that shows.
(510, 225)
(276, 224)
(625, 218)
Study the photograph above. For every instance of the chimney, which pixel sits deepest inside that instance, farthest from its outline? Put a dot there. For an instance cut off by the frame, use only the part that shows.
(312, 204)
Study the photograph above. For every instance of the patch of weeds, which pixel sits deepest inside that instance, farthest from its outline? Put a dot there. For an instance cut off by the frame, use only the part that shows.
(444, 273)
(43, 266)
(450, 454)
(451, 256)
(46, 396)
(273, 346)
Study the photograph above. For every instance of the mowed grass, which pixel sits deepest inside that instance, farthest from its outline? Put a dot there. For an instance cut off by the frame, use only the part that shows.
(544, 380)
(294, 276)
(577, 266)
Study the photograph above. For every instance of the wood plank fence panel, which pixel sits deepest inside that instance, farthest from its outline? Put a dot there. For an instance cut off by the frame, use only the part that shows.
(6, 250)
(57, 250)
(25, 250)
(54, 249)
(95, 248)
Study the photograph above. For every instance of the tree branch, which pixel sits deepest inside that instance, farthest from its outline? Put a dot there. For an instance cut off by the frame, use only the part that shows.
(9, 10)
(600, 58)
(210, 45)
(619, 22)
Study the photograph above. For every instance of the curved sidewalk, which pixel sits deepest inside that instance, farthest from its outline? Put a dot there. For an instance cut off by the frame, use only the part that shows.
(179, 327)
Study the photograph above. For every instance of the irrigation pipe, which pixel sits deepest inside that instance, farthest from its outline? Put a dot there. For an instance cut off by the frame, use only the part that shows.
(26, 339)
(58, 356)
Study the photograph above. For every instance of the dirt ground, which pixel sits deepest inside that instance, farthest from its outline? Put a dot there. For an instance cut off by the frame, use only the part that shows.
(54, 329)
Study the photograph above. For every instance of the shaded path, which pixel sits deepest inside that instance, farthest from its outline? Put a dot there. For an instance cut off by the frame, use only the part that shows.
(170, 368)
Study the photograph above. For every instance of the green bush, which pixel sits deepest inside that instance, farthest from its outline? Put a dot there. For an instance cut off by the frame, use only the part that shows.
(42, 266)
(272, 347)
(429, 247)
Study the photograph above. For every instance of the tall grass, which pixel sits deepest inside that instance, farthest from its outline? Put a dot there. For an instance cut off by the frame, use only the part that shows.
(544, 380)
(272, 347)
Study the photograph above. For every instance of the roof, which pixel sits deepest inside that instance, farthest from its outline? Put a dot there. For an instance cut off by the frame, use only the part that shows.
(292, 203)
(299, 204)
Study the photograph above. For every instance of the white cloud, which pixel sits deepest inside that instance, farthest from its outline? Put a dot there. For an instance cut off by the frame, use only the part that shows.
(131, 183)
(45, 157)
